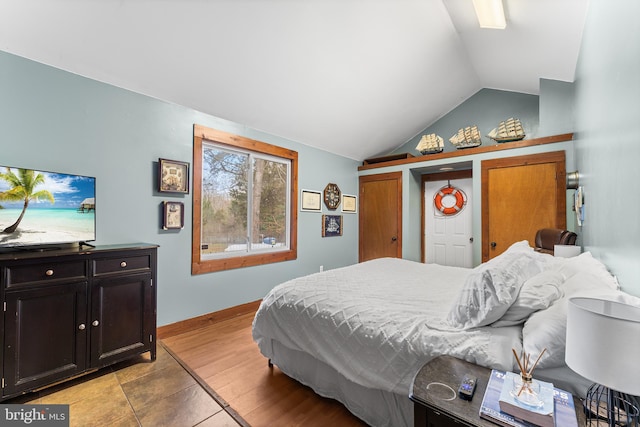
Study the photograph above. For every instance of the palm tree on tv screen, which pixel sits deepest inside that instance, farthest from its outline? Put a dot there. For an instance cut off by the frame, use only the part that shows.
(23, 188)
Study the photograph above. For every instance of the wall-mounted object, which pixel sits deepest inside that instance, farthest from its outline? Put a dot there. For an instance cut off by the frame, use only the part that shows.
(573, 180)
(332, 196)
(173, 215)
(331, 225)
(173, 176)
(310, 201)
(349, 203)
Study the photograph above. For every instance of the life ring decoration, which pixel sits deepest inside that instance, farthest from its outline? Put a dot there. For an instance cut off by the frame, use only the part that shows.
(448, 194)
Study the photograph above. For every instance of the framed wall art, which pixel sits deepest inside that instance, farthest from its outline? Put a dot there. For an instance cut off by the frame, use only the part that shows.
(173, 216)
(173, 176)
(331, 225)
(311, 201)
(349, 203)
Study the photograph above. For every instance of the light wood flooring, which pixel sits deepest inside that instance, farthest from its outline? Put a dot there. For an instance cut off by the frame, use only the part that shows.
(227, 359)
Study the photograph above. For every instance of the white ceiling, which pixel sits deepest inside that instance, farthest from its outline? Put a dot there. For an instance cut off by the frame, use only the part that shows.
(354, 77)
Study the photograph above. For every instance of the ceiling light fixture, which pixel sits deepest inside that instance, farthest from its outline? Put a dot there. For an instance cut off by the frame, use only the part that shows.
(490, 14)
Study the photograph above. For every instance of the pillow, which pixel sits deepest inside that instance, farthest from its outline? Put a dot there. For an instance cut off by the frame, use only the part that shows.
(548, 328)
(492, 287)
(586, 263)
(537, 293)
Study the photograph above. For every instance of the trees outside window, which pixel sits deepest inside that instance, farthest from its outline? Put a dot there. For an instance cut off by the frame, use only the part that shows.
(244, 202)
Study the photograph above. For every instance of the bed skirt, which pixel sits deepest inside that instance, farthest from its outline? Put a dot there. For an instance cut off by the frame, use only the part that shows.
(377, 408)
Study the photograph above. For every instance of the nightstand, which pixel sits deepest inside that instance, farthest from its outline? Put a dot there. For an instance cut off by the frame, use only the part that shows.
(435, 395)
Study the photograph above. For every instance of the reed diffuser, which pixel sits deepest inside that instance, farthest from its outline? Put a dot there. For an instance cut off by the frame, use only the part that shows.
(525, 389)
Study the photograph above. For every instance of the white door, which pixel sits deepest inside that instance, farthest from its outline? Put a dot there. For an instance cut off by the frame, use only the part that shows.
(448, 238)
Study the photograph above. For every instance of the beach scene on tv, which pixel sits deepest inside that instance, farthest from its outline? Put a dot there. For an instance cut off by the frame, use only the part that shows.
(42, 208)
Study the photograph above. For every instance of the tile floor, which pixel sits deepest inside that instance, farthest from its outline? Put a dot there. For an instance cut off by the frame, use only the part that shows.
(136, 393)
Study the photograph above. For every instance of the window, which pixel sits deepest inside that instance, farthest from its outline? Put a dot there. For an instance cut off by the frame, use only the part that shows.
(244, 202)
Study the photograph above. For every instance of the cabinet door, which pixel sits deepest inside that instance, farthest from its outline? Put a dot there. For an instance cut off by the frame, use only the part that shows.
(121, 318)
(45, 335)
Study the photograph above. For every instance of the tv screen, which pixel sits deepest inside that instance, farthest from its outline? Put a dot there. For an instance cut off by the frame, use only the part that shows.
(39, 208)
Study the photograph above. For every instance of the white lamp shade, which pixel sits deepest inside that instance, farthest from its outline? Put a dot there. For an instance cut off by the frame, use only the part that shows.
(566, 251)
(603, 343)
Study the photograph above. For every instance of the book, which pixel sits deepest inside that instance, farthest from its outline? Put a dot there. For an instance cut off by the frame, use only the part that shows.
(541, 415)
(564, 407)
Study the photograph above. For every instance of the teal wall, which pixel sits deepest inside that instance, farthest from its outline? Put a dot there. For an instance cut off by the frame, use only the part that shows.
(485, 109)
(607, 125)
(54, 120)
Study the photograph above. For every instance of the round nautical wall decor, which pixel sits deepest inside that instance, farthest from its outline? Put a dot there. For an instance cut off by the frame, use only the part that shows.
(449, 200)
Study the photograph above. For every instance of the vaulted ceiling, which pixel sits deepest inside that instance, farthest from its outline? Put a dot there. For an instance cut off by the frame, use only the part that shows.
(354, 77)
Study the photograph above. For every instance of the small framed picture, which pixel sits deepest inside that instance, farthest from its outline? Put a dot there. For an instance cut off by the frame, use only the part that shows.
(173, 217)
(349, 203)
(173, 176)
(331, 225)
(311, 201)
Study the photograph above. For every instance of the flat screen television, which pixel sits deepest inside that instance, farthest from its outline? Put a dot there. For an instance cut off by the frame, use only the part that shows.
(43, 209)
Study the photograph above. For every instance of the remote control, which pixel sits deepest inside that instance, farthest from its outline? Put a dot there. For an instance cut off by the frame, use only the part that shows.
(467, 387)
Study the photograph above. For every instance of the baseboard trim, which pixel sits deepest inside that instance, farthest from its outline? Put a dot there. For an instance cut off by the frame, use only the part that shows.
(206, 319)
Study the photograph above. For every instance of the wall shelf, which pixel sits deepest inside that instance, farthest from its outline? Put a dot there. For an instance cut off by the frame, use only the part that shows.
(404, 159)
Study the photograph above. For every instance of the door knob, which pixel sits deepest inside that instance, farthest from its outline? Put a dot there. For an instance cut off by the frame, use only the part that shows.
(493, 244)
(394, 238)
(81, 326)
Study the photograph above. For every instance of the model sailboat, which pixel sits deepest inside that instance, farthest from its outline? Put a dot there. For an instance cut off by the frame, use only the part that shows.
(467, 137)
(430, 144)
(509, 130)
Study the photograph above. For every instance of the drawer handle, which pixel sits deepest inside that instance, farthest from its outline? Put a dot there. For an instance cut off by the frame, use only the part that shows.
(123, 264)
(49, 273)
(81, 327)
(95, 323)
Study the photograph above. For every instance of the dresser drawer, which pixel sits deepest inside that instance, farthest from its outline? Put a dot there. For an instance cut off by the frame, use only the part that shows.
(113, 265)
(24, 274)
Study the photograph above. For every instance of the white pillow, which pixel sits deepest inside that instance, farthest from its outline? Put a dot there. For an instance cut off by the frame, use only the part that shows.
(492, 287)
(548, 328)
(586, 263)
(537, 293)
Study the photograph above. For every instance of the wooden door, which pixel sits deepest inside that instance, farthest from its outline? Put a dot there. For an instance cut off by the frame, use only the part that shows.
(121, 316)
(521, 195)
(45, 335)
(380, 220)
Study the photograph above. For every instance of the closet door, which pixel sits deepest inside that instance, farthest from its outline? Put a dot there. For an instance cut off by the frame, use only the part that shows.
(380, 216)
(521, 195)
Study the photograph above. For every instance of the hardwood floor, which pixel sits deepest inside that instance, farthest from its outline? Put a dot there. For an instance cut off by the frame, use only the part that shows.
(227, 359)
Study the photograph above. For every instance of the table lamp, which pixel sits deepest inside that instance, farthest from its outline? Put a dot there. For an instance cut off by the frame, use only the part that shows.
(603, 345)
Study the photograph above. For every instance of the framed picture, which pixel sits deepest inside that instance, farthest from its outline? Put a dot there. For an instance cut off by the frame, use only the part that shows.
(349, 203)
(311, 201)
(173, 176)
(331, 225)
(173, 216)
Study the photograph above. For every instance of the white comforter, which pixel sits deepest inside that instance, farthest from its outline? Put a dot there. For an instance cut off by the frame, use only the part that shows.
(369, 322)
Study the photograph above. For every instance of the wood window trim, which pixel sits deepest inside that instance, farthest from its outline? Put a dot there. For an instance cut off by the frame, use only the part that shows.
(199, 266)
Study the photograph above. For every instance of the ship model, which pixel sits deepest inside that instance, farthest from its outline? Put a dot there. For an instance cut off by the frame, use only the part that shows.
(430, 144)
(509, 130)
(466, 137)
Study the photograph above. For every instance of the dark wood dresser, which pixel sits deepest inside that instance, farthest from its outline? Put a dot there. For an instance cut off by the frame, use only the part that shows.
(71, 311)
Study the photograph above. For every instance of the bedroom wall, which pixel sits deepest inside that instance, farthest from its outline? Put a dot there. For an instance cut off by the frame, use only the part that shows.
(607, 125)
(486, 108)
(54, 120)
(551, 113)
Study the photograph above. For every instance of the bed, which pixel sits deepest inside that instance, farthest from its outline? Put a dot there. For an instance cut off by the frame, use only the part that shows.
(359, 334)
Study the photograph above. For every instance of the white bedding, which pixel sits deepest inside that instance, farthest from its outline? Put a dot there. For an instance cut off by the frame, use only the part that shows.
(349, 319)
(360, 333)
